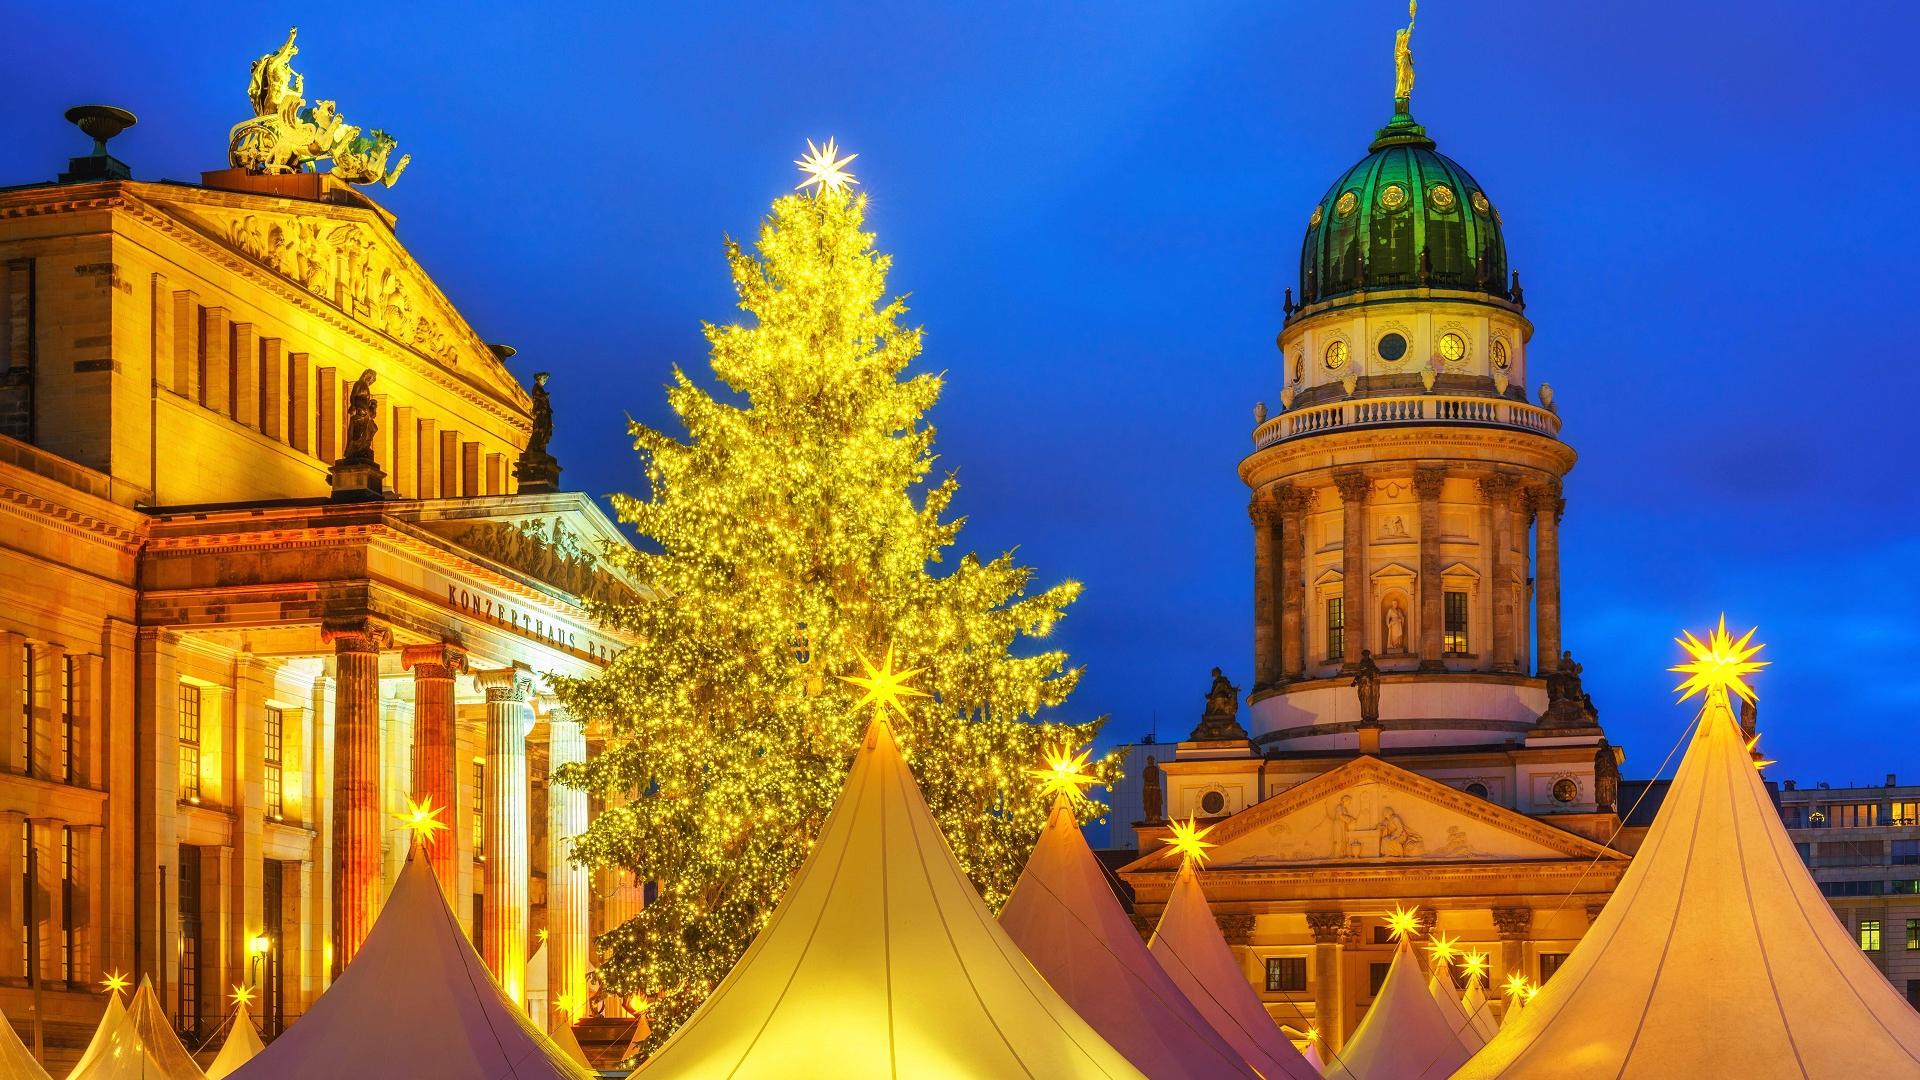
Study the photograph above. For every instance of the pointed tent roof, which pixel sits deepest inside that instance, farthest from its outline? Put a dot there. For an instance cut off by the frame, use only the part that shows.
(1312, 1057)
(243, 1042)
(1189, 947)
(564, 1038)
(16, 1062)
(1475, 1002)
(1717, 955)
(1404, 1035)
(416, 1000)
(109, 1037)
(135, 1043)
(883, 960)
(1067, 920)
(1446, 994)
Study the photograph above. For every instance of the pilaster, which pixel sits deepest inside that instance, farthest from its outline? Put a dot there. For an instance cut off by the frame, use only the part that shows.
(1293, 503)
(1428, 481)
(157, 786)
(1265, 656)
(1498, 490)
(1354, 487)
(1329, 929)
(1548, 506)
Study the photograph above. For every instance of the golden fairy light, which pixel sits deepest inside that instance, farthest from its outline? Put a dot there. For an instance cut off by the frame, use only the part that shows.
(422, 820)
(115, 983)
(884, 686)
(1065, 774)
(824, 168)
(1717, 664)
(1442, 948)
(1189, 841)
(1402, 921)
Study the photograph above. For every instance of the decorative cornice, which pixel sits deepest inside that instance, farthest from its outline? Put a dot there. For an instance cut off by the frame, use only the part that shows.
(44, 512)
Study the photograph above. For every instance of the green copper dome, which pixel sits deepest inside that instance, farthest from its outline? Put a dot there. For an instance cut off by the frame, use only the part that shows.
(1405, 217)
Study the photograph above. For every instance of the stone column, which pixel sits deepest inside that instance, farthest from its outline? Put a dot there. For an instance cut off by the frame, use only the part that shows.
(1294, 503)
(1329, 930)
(156, 913)
(1354, 489)
(1498, 490)
(49, 864)
(1514, 924)
(1265, 656)
(1548, 505)
(1427, 483)
(503, 905)
(567, 891)
(357, 826)
(434, 667)
(252, 683)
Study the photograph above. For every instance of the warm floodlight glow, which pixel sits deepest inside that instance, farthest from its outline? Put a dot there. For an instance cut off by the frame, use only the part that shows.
(1474, 965)
(242, 996)
(1441, 948)
(115, 983)
(1517, 986)
(884, 686)
(422, 819)
(1401, 922)
(1717, 663)
(1065, 774)
(824, 167)
(259, 945)
(1189, 841)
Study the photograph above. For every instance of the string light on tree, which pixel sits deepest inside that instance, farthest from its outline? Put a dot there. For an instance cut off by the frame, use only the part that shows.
(798, 527)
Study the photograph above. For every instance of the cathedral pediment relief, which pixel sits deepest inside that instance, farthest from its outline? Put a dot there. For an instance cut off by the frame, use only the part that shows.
(1368, 811)
(341, 258)
(550, 549)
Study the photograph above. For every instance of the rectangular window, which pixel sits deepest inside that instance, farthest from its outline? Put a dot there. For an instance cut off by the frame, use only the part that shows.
(1856, 815)
(67, 969)
(26, 900)
(189, 742)
(1870, 935)
(275, 726)
(1913, 933)
(1904, 813)
(1908, 887)
(1906, 852)
(479, 809)
(1853, 888)
(1336, 628)
(1549, 964)
(1806, 853)
(1286, 974)
(1376, 978)
(186, 1011)
(66, 722)
(1913, 993)
(26, 709)
(1455, 639)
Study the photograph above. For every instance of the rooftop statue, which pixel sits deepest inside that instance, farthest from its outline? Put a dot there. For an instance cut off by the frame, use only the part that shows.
(288, 135)
(1403, 62)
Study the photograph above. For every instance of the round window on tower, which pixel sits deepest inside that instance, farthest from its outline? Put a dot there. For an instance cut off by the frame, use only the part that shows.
(1393, 197)
(1452, 347)
(1336, 357)
(1213, 802)
(1565, 790)
(1346, 204)
(1442, 198)
(1477, 789)
(1392, 347)
(1498, 352)
(1314, 221)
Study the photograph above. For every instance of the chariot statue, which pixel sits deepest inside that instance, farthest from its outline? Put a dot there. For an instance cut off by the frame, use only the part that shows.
(287, 135)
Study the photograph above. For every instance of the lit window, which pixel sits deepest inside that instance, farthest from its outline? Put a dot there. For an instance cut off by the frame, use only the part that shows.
(66, 721)
(1904, 813)
(1549, 964)
(1856, 815)
(1455, 639)
(189, 742)
(26, 709)
(1913, 933)
(1286, 974)
(479, 809)
(275, 727)
(1336, 628)
(1870, 935)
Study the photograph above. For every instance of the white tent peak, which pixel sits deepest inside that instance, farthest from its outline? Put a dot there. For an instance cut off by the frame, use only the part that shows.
(1068, 921)
(135, 1042)
(1446, 993)
(881, 960)
(416, 1000)
(1405, 1033)
(243, 1042)
(16, 1062)
(1190, 948)
(1716, 955)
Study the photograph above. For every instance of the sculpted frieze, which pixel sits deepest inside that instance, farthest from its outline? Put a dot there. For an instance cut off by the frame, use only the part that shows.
(546, 550)
(1372, 821)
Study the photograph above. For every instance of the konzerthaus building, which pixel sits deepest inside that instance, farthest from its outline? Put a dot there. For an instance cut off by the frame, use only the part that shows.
(280, 548)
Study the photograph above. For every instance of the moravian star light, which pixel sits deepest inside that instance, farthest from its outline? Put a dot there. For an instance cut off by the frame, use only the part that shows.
(1475, 965)
(1517, 987)
(824, 168)
(884, 686)
(1442, 948)
(1717, 664)
(115, 983)
(422, 820)
(1402, 921)
(242, 996)
(1065, 774)
(1189, 841)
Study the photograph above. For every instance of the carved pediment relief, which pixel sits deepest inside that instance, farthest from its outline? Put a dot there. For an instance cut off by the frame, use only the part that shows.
(545, 549)
(1368, 811)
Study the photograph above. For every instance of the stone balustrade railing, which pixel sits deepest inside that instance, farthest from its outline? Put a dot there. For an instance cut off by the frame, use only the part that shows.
(1407, 409)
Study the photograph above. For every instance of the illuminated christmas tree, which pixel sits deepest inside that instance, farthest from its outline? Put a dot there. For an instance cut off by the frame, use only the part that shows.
(793, 530)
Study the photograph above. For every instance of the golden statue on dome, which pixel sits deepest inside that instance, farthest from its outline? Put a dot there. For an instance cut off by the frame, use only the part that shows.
(1403, 62)
(287, 135)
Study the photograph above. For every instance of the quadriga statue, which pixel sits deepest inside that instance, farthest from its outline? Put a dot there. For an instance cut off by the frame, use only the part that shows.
(287, 135)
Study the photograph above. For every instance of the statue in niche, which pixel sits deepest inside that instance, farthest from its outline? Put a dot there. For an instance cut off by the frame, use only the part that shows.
(1606, 777)
(1396, 838)
(1151, 805)
(1220, 720)
(362, 422)
(1396, 623)
(1366, 681)
(542, 415)
(1341, 820)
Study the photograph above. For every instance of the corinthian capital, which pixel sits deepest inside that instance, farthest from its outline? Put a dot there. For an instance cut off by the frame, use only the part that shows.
(1428, 480)
(1354, 486)
(1545, 498)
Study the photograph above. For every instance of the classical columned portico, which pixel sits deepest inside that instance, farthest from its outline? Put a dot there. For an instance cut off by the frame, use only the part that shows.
(1329, 929)
(1354, 489)
(434, 668)
(567, 889)
(1498, 490)
(1427, 484)
(1548, 505)
(503, 908)
(357, 884)
(1265, 655)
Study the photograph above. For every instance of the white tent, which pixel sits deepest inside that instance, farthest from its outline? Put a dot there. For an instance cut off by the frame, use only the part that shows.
(1065, 917)
(1405, 1034)
(1475, 1002)
(1716, 956)
(1312, 1056)
(563, 1037)
(16, 1062)
(1189, 947)
(136, 1043)
(881, 961)
(243, 1042)
(112, 1037)
(415, 1001)
(1447, 995)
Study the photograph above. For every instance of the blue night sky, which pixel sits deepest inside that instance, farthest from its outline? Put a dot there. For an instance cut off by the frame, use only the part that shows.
(1095, 208)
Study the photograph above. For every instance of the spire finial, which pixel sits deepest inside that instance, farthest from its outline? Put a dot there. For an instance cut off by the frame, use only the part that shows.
(1403, 63)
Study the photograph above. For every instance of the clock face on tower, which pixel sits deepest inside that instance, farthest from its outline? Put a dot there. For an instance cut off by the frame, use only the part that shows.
(1336, 356)
(1499, 354)
(1452, 347)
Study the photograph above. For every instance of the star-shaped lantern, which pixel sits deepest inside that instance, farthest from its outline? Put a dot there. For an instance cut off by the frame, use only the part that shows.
(1402, 921)
(824, 168)
(1189, 841)
(1717, 664)
(422, 819)
(884, 686)
(1474, 966)
(115, 983)
(242, 996)
(1442, 948)
(1065, 774)
(1517, 987)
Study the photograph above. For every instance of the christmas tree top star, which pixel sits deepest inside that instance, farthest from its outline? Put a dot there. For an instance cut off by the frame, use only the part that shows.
(242, 996)
(1474, 966)
(1717, 664)
(884, 686)
(1401, 922)
(115, 983)
(824, 168)
(1189, 841)
(1065, 774)
(1442, 948)
(422, 820)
